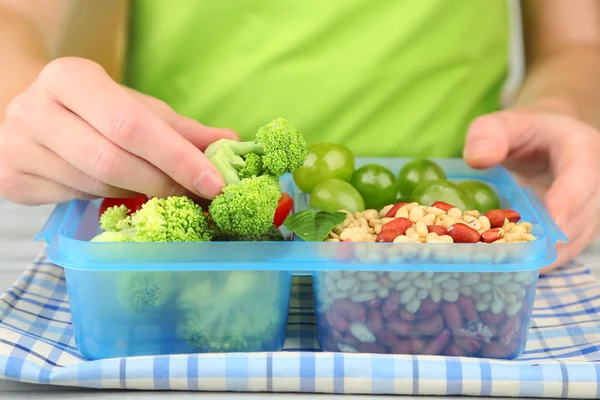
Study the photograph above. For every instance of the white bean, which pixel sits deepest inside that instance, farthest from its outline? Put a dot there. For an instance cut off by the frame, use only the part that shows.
(347, 283)
(413, 305)
(403, 285)
(511, 287)
(441, 277)
(363, 296)
(340, 295)
(497, 306)
(330, 285)
(369, 286)
(367, 276)
(346, 348)
(451, 284)
(521, 276)
(412, 275)
(513, 309)
(423, 294)
(422, 283)
(456, 275)
(481, 306)
(510, 298)
(436, 294)
(469, 279)
(408, 294)
(501, 278)
(465, 290)
(383, 292)
(482, 287)
(335, 274)
(362, 333)
(487, 297)
(429, 274)
(396, 275)
(450, 296)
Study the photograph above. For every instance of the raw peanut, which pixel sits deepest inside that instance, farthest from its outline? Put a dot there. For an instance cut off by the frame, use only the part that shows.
(391, 304)
(430, 326)
(461, 233)
(388, 235)
(387, 338)
(386, 220)
(377, 228)
(511, 215)
(399, 224)
(374, 321)
(455, 212)
(351, 339)
(337, 322)
(518, 229)
(407, 315)
(416, 214)
(446, 239)
(394, 209)
(508, 226)
(501, 241)
(402, 239)
(465, 341)
(421, 229)
(349, 310)
(371, 348)
(528, 237)
(399, 327)
(452, 315)
(428, 308)
(491, 235)
(438, 229)
(374, 221)
(435, 346)
(473, 213)
(512, 237)
(485, 222)
(385, 210)
(492, 319)
(449, 221)
(436, 212)
(452, 350)
(443, 206)
(370, 214)
(496, 218)
(412, 205)
(468, 218)
(497, 350)
(508, 329)
(414, 237)
(467, 306)
(337, 336)
(527, 225)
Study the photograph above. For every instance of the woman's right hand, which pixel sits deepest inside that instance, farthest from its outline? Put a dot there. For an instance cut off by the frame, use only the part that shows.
(77, 134)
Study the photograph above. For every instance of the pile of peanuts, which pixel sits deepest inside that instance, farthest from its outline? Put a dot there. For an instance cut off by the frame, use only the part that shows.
(438, 223)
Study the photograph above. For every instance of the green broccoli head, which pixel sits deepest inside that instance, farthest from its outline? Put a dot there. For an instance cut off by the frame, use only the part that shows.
(279, 146)
(174, 219)
(245, 211)
(144, 291)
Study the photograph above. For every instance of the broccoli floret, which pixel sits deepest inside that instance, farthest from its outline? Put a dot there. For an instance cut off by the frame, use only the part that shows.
(174, 219)
(280, 147)
(245, 211)
(145, 291)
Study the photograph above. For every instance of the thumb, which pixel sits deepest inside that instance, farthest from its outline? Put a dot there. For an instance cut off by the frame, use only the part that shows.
(492, 137)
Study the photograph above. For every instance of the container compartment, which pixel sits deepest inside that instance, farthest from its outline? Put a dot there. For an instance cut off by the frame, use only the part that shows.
(429, 313)
(134, 313)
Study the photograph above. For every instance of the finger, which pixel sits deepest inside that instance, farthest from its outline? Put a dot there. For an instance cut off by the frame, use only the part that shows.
(198, 134)
(120, 117)
(73, 139)
(50, 166)
(32, 190)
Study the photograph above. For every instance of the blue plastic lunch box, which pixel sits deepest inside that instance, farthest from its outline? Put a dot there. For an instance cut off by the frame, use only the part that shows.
(391, 298)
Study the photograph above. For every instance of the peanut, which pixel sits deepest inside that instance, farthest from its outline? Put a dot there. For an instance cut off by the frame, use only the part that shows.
(392, 210)
(370, 214)
(492, 235)
(402, 213)
(385, 210)
(401, 239)
(528, 237)
(388, 235)
(400, 224)
(412, 205)
(461, 233)
(435, 211)
(496, 218)
(416, 214)
(421, 229)
(441, 205)
(377, 228)
(386, 220)
(473, 213)
(455, 212)
(527, 225)
(485, 223)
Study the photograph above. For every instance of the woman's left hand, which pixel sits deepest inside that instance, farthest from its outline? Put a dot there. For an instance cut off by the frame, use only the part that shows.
(555, 154)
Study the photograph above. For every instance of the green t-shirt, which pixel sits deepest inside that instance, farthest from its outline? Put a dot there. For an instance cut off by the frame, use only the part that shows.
(385, 77)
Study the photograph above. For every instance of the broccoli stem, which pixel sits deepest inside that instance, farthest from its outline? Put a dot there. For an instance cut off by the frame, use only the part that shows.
(227, 154)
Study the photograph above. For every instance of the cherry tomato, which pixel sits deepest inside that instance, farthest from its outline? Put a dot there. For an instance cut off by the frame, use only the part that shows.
(284, 207)
(133, 203)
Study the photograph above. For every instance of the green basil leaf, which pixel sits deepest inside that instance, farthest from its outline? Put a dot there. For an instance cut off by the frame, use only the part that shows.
(313, 226)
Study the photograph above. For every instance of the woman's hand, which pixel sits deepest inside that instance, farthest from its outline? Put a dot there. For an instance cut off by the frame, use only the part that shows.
(76, 134)
(556, 154)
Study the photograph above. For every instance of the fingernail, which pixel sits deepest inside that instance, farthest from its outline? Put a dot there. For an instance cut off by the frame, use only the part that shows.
(209, 184)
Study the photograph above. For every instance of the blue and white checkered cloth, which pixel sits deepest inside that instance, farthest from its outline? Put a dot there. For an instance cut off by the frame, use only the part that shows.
(562, 358)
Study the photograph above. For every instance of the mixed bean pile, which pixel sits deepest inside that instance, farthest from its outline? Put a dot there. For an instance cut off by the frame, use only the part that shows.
(432, 313)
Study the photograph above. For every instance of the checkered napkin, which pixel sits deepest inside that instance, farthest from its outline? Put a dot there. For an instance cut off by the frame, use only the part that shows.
(562, 358)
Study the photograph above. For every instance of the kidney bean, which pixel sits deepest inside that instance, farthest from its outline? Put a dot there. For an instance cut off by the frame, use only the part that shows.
(452, 315)
(465, 341)
(497, 350)
(492, 319)
(407, 315)
(508, 329)
(391, 304)
(443, 206)
(330, 345)
(409, 346)
(392, 212)
(496, 218)
(374, 321)
(337, 336)
(400, 224)
(462, 233)
(430, 326)
(373, 303)
(349, 310)
(398, 326)
(428, 308)
(452, 350)
(372, 348)
(351, 339)
(439, 229)
(386, 338)
(467, 306)
(511, 215)
(337, 322)
(435, 345)
(491, 235)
